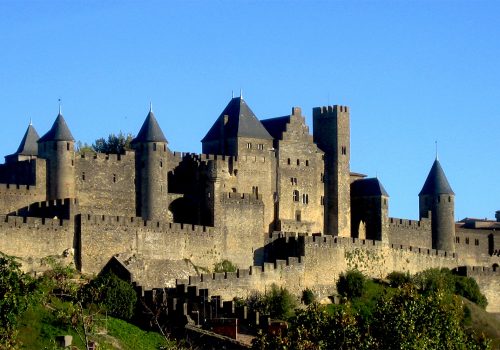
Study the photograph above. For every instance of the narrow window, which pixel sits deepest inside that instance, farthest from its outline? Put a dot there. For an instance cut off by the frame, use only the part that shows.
(439, 199)
(457, 239)
(449, 199)
(260, 146)
(296, 196)
(307, 163)
(298, 161)
(154, 146)
(165, 148)
(67, 146)
(288, 161)
(161, 163)
(249, 145)
(476, 242)
(467, 240)
(114, 177)
(322, 200)
(298, 216)
(83, 176)
(72, 162)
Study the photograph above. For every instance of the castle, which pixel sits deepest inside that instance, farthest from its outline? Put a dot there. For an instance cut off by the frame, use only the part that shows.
(264, 194)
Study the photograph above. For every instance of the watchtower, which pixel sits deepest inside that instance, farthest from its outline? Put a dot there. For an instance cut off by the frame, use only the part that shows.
(57, 148)
(331, 132)
(438, 198)
(151, 156)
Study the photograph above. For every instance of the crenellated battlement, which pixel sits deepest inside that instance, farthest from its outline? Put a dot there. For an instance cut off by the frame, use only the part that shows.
(10, 221)
(253, 272)
(89, 156)
(473, 271)
(16, 189)
(327, 110)
(137, 222)
(422, 224)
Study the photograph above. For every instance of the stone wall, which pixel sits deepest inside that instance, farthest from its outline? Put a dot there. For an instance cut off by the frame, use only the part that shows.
(105, 183)
(410, 232)
(104, 236)
(35, 238)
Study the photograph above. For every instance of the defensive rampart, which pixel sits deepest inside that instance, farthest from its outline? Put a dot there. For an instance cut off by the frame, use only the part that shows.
(36, 238)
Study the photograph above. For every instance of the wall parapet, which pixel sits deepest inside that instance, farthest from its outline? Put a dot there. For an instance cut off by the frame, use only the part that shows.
(10, 221)
(113, 157)
(137, 222)
(422, 224)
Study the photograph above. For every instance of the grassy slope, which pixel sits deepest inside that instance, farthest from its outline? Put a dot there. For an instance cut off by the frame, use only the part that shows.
(39, 327)
(485, 322)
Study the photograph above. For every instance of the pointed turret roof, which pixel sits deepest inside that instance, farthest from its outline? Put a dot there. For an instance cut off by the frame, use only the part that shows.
(368, 187)
(150, 130)
(436, 182)
(58, 132)
(241, 122)
(28, 145)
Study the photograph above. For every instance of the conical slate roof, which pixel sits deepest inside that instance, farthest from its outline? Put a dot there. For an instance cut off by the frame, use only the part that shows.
(58, 132)
(368, 187)
(150, 131)
(436, 182)
(28, 145)
(241, 122)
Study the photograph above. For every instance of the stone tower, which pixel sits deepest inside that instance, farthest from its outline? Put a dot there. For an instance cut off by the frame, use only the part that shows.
(237, 132)
(151, 156)
(438, 198)
(331, 133)
(57, 147)
(370, 209)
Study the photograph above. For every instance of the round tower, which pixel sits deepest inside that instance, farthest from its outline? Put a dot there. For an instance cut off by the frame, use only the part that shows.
(57, 148)
(438, 198)
(151, 157)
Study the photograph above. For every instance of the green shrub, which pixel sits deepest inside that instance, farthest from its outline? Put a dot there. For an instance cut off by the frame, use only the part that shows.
(351, 284)
(17, 293)
(279, 303)
(398, 279)
(111, 293)
(225, 266)
(433, 280)
(468, 288)
(307, 296)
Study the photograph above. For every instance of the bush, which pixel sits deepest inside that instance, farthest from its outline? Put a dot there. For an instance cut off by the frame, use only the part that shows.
(398, 279)
(351, 284)
(17, 293)
(307, 296)
(225, 266)
(433, 280)
(468, 288)
(279, 303)
(112, 294)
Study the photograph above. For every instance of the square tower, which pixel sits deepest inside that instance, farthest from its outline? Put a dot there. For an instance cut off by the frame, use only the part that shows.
(331, 132)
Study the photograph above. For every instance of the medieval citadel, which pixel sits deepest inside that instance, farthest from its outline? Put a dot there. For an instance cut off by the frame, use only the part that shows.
(280, 203)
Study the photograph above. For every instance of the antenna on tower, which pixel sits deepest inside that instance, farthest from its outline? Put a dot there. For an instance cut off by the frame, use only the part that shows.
(241, 94)
(232, 93)
(31, 122)
(60, 109)
(150, 107)
(437, 157)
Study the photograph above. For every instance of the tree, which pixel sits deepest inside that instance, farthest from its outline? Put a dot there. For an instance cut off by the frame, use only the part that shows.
(351, 284)
(112, 294)
(17, 292)
(307, 296)
(116, 144)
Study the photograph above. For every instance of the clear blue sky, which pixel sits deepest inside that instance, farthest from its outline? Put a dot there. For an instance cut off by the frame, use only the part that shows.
(412, 72)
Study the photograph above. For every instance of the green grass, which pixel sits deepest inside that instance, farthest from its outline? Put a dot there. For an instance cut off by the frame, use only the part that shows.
(39, 328)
